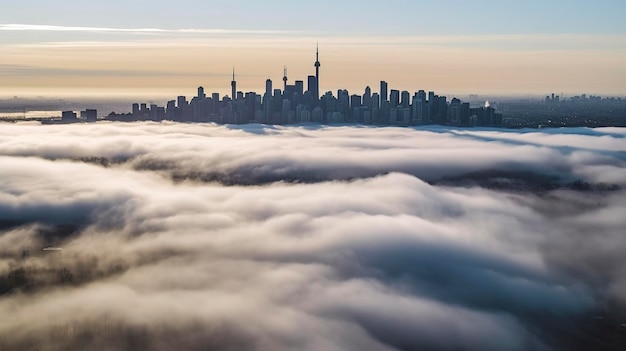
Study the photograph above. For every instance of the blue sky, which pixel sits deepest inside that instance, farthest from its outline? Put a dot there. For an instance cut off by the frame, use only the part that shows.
(457, 46)
(367, 16)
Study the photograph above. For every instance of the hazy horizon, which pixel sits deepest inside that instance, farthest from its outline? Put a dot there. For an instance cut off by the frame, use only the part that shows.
(480, 47)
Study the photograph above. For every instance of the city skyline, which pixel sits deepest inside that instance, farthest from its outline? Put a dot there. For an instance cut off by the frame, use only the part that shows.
(300, 103)
(480, 47)
(313, 175)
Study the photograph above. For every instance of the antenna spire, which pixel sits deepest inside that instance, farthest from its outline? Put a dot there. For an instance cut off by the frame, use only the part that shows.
(317, 51)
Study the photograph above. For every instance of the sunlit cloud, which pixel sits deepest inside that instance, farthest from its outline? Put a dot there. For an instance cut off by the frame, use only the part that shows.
(157, 235)
(53, 28)
(195, 36)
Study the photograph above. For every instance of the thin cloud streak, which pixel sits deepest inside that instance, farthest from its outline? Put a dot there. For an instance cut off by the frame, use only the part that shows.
(26, 71)
(275, 38)
(53, 28)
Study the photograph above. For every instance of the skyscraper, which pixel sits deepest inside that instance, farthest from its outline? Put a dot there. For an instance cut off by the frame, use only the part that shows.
(299, 87)
(383, 92)
(312, 87)
(405, 99)
(285, 79)
(367, 97)
(233, 85)
(268, 87)
(181, 103)
(267, 102)
(394, 98)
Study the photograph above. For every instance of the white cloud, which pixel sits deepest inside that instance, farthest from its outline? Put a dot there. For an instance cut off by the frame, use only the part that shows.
(265, 238)
(52, 28)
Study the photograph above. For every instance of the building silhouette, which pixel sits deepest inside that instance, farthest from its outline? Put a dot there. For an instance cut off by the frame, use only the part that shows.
(293, 104)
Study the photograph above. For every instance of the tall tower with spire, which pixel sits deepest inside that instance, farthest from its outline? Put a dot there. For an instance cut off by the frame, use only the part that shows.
(233, 86)
(285, 79)
(317, 72)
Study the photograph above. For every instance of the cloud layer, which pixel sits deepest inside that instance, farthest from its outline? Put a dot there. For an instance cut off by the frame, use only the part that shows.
(339, 238)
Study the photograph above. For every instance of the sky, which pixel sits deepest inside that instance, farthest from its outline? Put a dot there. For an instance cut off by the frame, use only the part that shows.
(166, 47)
(162, 236)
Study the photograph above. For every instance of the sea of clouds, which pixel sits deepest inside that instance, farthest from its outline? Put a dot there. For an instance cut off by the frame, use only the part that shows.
(163, 236)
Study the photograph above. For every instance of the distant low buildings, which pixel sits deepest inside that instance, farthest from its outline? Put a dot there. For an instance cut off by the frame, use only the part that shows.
(68, 117)
(89, 115)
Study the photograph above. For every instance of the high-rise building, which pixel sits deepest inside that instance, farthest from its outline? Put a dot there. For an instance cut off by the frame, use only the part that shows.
(383, 91)
(343, 101)
(442, 110)
(404, 116)
(305, 116)
(420, 108)
(181, 110)
(367, 97)
(405, 97)
(421, 95)
(465, 113)
(328, 103)
(394, 98)
(317, 115)
(170, 111)
(433, 106)
(285, 109)
(201, 94)
(154, 112)
(268, 107)
(299, 87)
(285, 79)
(355, 101)
(268, 87)
(375, 101)
(233, 86)
(181, 102)
(431, 96)
(312, 88)
(454, 112)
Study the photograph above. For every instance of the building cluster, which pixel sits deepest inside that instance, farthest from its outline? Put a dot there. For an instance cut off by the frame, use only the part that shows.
(583, 99)
(88, 115)
(293, 104)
